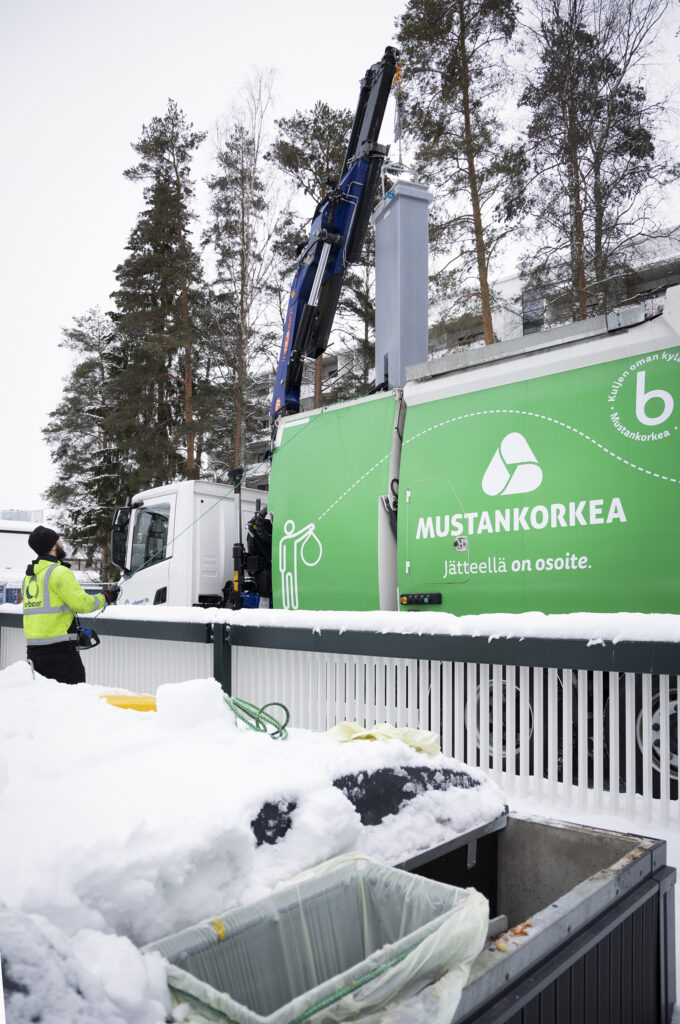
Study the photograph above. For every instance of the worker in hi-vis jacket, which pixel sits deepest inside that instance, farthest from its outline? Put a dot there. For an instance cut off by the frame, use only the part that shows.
(52, 597)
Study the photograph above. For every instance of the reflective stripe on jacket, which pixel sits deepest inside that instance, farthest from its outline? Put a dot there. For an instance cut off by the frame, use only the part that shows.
(51, 597)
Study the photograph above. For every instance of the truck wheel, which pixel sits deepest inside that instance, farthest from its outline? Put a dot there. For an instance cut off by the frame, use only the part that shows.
(655, 726)
(510, 745)
(656, 739)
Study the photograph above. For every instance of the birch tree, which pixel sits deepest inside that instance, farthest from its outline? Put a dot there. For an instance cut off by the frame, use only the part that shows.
(244, 223)
(596, 165)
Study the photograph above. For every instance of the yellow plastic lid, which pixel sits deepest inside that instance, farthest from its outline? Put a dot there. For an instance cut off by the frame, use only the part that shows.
(132, 701)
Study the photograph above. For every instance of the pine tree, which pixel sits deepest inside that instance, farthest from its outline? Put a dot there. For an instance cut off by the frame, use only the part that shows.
(310, 147)
(591, 145)
(92, 479)
(452, 52)
(159, 290)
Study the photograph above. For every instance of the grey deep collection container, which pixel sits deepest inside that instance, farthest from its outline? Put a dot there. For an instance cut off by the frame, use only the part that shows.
(600, 948)
(588, 929)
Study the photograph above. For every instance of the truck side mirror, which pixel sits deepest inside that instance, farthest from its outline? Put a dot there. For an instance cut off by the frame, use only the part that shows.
(121, 518)
(119, 535)
(119, 548)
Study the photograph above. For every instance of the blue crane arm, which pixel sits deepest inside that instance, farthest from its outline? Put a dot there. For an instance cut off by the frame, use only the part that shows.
(336, 239)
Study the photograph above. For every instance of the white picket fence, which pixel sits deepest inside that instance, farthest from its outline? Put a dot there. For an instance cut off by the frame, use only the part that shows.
(596, 741)
(581, 740)
(139, 664)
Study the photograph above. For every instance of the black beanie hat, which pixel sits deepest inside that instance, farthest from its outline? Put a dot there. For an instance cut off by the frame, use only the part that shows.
(42, 540)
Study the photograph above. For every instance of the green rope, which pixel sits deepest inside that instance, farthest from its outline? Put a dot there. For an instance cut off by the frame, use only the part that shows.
(259, 719)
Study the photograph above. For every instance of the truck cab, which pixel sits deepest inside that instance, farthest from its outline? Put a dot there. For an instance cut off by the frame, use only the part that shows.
(174, 544)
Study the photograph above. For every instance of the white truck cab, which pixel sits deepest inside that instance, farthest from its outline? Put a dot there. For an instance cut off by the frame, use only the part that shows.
(174, 544)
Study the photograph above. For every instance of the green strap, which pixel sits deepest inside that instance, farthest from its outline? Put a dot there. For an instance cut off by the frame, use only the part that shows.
(259, 719)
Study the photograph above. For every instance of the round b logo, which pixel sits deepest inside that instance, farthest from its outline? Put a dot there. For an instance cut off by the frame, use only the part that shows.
(644, 398)
(648, 401)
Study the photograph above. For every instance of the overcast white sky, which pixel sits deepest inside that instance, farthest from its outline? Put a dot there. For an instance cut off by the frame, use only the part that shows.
(78, 78)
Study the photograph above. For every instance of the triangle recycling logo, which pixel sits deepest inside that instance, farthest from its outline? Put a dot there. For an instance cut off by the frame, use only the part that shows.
(513, 469)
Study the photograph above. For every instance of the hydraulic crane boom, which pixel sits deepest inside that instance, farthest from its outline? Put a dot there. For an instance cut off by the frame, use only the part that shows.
(336, 238)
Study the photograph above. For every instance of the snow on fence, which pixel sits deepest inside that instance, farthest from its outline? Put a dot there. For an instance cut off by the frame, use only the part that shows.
(133, 655)
(579, 726)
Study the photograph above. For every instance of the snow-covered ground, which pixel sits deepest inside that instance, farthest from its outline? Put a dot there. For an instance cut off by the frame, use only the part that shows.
(117, 827)
(121, 826)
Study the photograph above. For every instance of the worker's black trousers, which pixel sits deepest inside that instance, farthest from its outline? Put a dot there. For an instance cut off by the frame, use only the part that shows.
(57, 661)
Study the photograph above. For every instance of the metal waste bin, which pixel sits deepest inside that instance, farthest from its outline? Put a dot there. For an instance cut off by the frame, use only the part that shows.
(348, 937)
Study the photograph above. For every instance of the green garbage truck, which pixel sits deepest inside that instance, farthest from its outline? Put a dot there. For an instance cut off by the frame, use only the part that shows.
(541, 473)
(537, 474)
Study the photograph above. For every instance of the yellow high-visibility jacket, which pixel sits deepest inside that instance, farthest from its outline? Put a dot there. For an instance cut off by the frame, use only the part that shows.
(51, 597)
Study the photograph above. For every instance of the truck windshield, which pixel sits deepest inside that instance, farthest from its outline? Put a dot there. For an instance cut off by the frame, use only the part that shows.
(150, 536)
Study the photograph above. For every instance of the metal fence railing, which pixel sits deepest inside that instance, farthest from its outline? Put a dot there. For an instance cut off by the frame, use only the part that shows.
(588, 727)
(133, 655)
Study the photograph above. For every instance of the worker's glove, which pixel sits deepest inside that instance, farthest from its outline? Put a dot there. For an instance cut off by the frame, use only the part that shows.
(111, 594)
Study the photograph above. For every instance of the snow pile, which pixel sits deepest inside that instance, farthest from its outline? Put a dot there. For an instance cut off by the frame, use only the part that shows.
(90, 977)
(121, 825)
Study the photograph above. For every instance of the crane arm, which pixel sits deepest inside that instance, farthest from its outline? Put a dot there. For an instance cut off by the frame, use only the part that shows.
(336, 238)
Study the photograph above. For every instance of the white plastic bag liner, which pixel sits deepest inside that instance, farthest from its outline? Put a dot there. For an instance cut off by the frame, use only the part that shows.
(341, 942)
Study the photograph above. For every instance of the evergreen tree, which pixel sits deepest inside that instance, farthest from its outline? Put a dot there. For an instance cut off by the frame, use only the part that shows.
(92, 479)
(215, 389)
(159, 290)
(591, 146)
(452, 52)
(310, 147)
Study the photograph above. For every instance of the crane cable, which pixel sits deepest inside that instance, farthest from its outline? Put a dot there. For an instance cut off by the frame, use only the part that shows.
(397, 90)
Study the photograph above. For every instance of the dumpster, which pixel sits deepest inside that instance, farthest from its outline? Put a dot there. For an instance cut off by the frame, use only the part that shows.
(345, 939)
(588, 923)
(582, 928)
